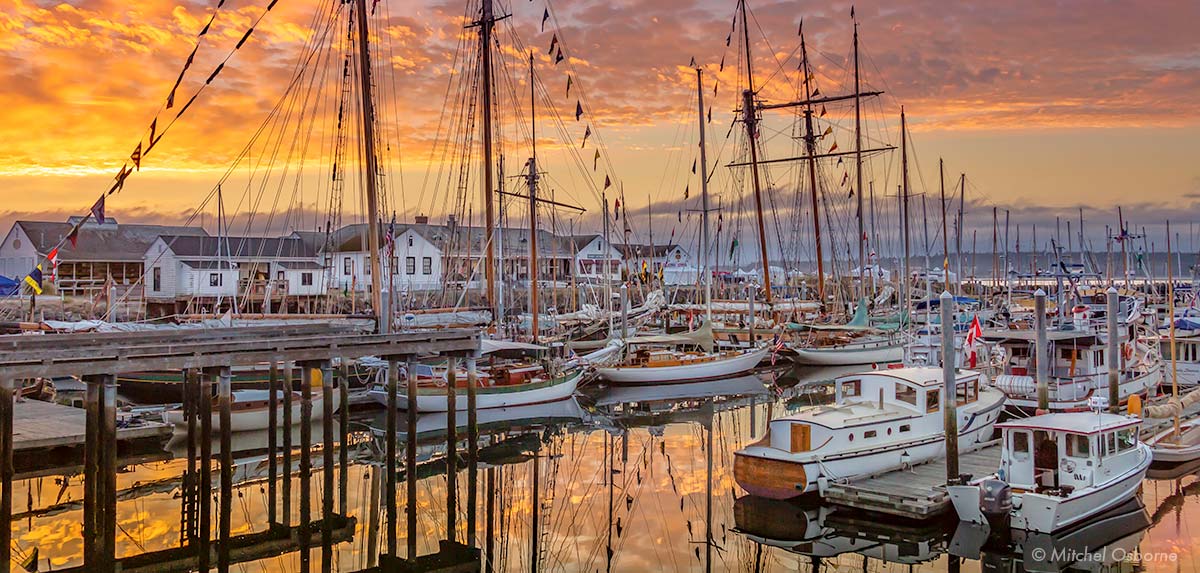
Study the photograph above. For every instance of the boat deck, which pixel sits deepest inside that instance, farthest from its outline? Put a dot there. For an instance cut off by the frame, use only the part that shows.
(44, 425)
(915, 493)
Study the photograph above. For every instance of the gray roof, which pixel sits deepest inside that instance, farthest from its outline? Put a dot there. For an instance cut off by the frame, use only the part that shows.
(208, 265)
(108, 242)
(239, 247)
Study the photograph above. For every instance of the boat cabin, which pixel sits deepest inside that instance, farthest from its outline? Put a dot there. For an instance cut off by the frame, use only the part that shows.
(1078, 362)
(1065, 452)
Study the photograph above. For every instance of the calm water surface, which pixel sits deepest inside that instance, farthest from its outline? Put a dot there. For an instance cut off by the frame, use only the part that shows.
(624, 484)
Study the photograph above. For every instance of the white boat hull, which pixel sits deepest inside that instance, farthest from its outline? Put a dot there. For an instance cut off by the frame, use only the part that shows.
(1049, 513)
(720, 368)
(258, 418)
(434, 399)
(851, 355)
(1186, 450)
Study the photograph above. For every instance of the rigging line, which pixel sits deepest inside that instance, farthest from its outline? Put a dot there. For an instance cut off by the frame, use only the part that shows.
(213, 192)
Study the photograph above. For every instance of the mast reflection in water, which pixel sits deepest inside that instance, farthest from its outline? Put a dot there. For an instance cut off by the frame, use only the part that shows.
(622, 479)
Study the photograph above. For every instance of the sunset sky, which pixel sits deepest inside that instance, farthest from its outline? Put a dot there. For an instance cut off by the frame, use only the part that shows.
(1045, 106)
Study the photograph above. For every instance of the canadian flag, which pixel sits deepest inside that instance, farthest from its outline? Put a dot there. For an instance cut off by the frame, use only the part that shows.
(973, 335)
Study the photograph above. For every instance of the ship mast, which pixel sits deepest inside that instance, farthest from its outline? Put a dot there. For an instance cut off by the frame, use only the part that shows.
(368, 126)
(810, 144)
(862, 265)
(704, 202)
(749, 115)
(485, 46)
(533, 181)
(904, 283)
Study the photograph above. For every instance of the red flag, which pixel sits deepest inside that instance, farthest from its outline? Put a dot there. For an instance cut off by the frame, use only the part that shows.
(73, 236)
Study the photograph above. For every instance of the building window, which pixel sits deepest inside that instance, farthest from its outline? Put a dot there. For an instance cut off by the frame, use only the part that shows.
(410, 265)
(214, 279)
(306, 279)
(427, 265)
(347, 266)
(279, 275)
(156, 281)
(410, 241)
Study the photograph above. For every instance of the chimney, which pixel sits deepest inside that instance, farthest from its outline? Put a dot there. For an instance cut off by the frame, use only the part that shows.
(421, 220)
(451, 221)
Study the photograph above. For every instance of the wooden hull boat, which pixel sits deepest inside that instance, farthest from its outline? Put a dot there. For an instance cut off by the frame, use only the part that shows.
(250, 410)
(703, 367)
(881, 421)
(537, 391)
(1171, 448)
(879, 351)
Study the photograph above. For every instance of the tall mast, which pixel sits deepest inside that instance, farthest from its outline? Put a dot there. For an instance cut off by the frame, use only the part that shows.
(533, 184)
(958, 235)
(368, 126)
(810, 144)
(862, 285)
(904, 201)
(945, 238)
(751, 119)
(707, 276)
(489, 215)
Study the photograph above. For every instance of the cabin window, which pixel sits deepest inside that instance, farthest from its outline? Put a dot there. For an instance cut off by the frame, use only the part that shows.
(1067, 353)
(869, 434)
(306, 279)
(906, 394)
(931, 400)
(156, 281)
(214, 279)
(851, 388)
(905, 428)
(1020, 442)
(1110, 443)
(427, 265)
(410, 265)
(1079, 446)
(1126, 439)
(1019, 352)
(347, 266)
(967, 392)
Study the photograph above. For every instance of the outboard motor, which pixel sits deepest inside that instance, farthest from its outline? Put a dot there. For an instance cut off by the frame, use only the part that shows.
(995, 502)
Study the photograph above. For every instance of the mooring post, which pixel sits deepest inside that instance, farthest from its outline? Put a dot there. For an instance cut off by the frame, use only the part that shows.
(273, 446)
(1042, 352)
(191, 391)
(472, 449)
(91, 471)
(410, 462)
(327, 422)
(285, 513)
(108, 469)
(451, 447)
(393, 377)
(949, 387)
(7, 386)
(624, 312)
(343, 439)
(225, 400)
(204, 488)
(489, 517)
(307, 372)
(1112, 298)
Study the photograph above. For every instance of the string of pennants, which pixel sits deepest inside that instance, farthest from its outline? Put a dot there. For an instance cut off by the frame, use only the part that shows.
(34, 279)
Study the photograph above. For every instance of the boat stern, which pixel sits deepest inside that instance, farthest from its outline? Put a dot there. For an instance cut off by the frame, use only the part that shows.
(767, 477)
(967, 503)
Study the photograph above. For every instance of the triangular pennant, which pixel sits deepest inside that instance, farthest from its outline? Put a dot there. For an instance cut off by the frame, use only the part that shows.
(686, 188)
(73, 236)
(693, 166)
(710, 114)
(833, 147)
(545, 16)
(692, 63)
(596, 160)
(822, 111)
(153, 127)
(553, 43)
(98, 209)
(607, 184)
(728, 39)
(136, 156)
(816, 92)
(586, 134)
(568, 85)
(558, 57)
(578, 110)
(121, 177)
(722, 64)
(679, 217)
(828, 130)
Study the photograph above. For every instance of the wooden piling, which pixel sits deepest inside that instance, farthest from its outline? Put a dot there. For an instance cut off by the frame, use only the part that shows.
(1042, 352)
(343, 439)
(472, 450)
(410, 462)
(225, 401)
(7, 385)
(273, 446)
(949, 388)
(489, 517)
(91, 471)
(204, 488)
(393, 376)
(305, 537)
(191, 393)
(451, 449)
(1115, 363)
(327, 422)
(285, 514)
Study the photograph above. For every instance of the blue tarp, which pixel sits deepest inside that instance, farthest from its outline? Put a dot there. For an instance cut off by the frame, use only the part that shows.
(9, 287)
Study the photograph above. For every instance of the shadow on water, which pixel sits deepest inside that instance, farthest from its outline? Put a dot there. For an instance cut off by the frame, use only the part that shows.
(622, 479)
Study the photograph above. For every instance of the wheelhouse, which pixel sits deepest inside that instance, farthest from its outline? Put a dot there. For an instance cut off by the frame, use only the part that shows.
(1056, 453)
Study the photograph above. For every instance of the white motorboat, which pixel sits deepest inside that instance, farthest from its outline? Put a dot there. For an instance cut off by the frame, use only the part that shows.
(250, 410)
(511, 388)
(1057, 470)
(880, 421)
(664, 366)
(1078, 369)
(1171, 447)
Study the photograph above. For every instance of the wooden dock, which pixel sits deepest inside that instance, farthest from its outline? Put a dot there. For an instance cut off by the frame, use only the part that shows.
(40, 425)
(915, 493)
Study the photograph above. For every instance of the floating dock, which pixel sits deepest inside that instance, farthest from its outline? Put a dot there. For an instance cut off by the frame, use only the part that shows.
(41, 425)
(915, 493)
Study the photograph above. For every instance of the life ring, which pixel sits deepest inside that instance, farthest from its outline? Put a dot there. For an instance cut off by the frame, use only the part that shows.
(1127, 350)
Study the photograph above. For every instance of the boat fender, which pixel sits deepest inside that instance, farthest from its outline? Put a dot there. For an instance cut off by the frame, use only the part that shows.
(822, 483)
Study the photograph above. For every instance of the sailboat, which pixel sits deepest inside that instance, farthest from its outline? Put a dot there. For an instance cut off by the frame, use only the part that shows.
(668, 365)
(855, 342)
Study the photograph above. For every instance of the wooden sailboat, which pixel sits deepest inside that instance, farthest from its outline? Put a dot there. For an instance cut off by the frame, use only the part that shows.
(251, 410)
(666, 365)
